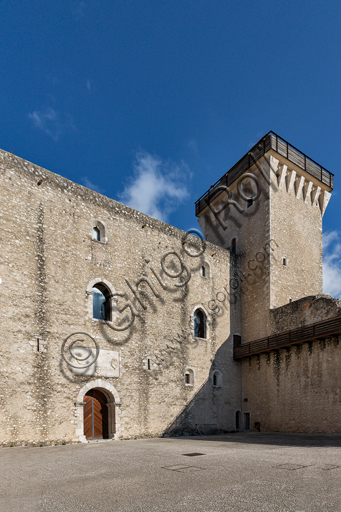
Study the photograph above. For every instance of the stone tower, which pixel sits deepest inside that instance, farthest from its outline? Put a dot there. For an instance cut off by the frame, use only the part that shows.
(267, 209)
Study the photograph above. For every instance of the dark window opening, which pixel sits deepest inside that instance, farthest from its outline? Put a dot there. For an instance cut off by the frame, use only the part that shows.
(238, 420)
(249, 202)
(203, 271)
(101, 302)
(237, 340)
(215, 379)
(285, 261)
(148, 363)
(234, 246)
(96, 235)
(246, 420)
(199, 324)
(189, 377)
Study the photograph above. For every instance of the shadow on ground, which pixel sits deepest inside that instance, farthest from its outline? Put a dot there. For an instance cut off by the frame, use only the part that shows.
(273, 438)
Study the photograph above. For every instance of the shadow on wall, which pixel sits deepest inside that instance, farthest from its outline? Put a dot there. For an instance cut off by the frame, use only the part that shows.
(217, 406)
(212, 409)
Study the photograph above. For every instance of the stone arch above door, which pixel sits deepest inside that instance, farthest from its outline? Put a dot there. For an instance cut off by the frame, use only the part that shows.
(113, 404)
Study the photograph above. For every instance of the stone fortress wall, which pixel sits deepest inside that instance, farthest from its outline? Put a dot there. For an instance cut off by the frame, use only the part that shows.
(278, 267)
(296, 388)
(262, 275)
(49, 263)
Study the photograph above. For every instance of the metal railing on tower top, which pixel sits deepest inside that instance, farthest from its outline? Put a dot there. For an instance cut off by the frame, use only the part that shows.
(270, 141)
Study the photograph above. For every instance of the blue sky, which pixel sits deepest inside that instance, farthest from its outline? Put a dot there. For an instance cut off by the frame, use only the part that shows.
(164, 97)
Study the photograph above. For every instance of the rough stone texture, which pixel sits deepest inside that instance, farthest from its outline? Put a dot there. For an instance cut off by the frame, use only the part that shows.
(296, 225)
(308, 310)
(295, 388)
(285, 221)
(48, 264)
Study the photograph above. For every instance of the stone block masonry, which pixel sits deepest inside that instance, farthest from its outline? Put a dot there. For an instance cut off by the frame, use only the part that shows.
(156, 310)
(49, 264)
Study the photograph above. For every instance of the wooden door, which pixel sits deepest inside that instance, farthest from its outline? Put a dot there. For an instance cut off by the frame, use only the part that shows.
(95, 415)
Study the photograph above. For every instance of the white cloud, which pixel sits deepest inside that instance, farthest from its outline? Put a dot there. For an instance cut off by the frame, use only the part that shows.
(332, 263)
(88, 184)
(158, 186)
(52, 122)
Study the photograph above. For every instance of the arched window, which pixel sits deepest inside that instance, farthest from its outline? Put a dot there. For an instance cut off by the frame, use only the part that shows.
(189, 377)
(234, 246)
(98, 231)
(101, 302)
(200, 321)
(216, 379)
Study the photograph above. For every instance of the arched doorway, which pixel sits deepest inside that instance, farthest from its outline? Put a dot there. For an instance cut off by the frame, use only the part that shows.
(113, 403)
(95, 415)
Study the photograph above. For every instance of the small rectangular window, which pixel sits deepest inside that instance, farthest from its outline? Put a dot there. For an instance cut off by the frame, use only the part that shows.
(203, 272)
(187, 378)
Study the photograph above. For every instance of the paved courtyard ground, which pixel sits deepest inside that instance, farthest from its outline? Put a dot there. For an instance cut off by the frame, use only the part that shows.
(243, 472)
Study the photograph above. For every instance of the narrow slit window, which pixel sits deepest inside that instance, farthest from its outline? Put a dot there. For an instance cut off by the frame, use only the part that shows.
(238, 422)
(205, 270)
(189, 377)
(234, 246)
(285, 261)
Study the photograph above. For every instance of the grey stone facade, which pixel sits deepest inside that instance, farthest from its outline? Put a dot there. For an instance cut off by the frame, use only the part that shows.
(158, 377)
